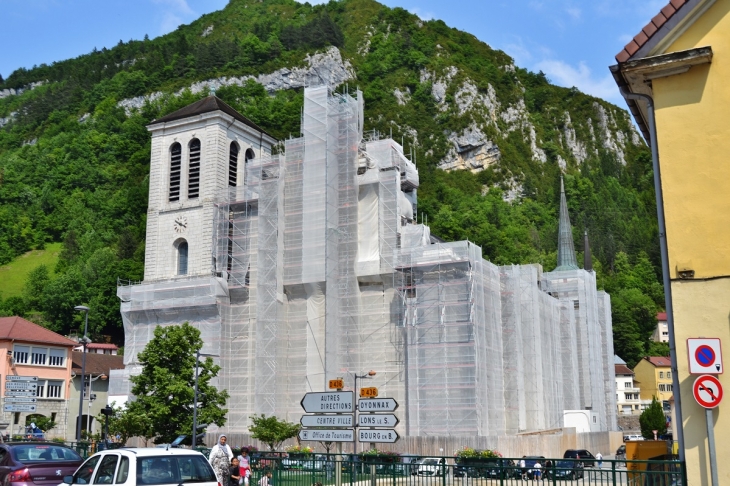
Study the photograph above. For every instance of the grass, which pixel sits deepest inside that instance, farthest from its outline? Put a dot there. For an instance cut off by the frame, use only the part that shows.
(13, 275)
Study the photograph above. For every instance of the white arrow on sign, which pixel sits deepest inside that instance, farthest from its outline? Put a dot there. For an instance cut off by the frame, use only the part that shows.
(339, 420)
(377, 405)
(20, 400)
(377, 420)
(19, 408)
(328, 402)
(374, 435)
(325, 435)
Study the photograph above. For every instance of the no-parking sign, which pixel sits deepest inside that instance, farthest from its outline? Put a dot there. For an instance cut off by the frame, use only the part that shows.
(705, 356)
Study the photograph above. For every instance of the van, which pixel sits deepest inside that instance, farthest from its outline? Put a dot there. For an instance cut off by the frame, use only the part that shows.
(633, 437)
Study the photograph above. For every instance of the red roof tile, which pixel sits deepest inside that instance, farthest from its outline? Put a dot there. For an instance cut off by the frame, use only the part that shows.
(649, 30)
(658, 360)
(623, 370)
(96, 364)
(661, 316)
(18, 329)
(101, 346)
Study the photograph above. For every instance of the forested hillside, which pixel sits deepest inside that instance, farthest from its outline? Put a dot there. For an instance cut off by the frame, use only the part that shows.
(491, 140)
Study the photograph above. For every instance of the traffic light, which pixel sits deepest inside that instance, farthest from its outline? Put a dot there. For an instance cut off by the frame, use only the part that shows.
(108, 411)
(199, 437)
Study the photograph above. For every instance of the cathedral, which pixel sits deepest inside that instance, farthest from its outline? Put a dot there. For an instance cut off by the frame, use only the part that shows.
(310, 264)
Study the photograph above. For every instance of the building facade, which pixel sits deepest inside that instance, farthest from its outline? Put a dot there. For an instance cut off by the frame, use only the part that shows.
(678, 60)
(628, 399)
(654, 373)
(309, 265)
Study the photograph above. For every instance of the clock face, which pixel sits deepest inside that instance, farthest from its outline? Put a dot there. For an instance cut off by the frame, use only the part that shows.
(180, 224)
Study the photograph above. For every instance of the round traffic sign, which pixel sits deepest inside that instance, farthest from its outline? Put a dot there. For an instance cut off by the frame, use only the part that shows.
(707, 390)
(705, 356)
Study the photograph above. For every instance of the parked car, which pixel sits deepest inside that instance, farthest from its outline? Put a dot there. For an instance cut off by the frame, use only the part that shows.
(633, 437)
(500, 468)
(432, 466)
(565, 469)
(137, 466)
(621, 453)
(36, 463)
(584, 455)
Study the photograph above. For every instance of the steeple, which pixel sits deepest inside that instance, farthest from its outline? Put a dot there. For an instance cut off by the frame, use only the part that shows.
(566, 251)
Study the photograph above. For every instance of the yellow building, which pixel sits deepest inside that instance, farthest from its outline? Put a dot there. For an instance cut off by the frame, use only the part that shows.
(654, 373)
(678, 59)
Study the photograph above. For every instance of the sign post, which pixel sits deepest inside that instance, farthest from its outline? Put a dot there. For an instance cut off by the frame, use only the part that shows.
(707, 390)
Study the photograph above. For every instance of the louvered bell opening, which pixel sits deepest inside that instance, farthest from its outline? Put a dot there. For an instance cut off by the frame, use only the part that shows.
(175, 169)
(233, 165)
(194, 170)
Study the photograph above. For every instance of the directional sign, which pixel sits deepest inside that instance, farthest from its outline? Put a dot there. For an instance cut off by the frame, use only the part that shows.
(377, 420)
(20, 400)
(705, 356)
(377, 405)
(19, 408)
(20, 385)
(327, 435)
(20, 378)
(328, 402)
(16, 393)
(387, 436)
(707, 390)
(338, 420)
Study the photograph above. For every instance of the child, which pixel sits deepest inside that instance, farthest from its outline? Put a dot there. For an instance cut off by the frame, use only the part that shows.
(266, 479)
(235, 473)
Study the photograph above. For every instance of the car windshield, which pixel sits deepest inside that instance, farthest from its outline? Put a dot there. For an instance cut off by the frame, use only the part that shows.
(564, 464)
(430, 462)
(43, 453)
(174, 469)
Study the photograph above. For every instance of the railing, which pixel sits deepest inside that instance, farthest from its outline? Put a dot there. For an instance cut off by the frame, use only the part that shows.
(313, 469)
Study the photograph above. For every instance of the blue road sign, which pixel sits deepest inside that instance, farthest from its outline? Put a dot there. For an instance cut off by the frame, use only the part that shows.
(705, 355)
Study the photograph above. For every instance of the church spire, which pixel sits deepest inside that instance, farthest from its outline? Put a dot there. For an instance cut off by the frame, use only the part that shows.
(566, 251)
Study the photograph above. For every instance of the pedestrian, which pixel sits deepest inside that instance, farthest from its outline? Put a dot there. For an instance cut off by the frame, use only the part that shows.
(523, 468)
(537, 471)
(266, 479)
(234, 473)
(220, 459)
(599, 458)
(245, 467)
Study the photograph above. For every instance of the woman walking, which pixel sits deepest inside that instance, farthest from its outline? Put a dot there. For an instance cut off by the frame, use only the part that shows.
(220, 459)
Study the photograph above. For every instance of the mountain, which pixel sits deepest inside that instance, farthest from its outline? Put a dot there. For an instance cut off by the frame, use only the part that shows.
(490, 139)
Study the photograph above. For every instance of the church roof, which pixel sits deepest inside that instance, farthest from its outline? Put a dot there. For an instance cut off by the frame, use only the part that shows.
(206, 105)
(566, 251)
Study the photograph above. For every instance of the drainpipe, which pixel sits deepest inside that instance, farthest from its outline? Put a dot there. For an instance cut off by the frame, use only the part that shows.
(677, 427)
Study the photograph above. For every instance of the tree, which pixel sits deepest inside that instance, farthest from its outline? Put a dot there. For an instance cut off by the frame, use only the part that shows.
(272, 431)
(164, 389)
(124, 422)
(653, 419)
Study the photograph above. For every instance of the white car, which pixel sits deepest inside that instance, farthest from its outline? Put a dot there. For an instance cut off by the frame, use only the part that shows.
(133, 466)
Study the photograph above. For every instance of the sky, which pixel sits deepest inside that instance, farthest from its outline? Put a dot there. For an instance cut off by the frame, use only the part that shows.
(572, 41)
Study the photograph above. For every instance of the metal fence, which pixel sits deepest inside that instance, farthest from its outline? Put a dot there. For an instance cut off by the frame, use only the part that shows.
(326, 469)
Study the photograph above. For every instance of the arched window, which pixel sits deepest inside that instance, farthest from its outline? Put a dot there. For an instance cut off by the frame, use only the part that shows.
(182, 258)
(233, 165)
(175, 166)
(249, 155)
(194, 169)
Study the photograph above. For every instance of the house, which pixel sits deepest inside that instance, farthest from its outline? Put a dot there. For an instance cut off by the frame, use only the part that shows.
(628, 400)
(99, 348)
(654, 373)
(35, 375)
(96, 388)
(661, 333)
(678, 63)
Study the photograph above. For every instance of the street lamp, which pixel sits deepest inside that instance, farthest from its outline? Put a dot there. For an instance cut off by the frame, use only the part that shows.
(194, 440)
(85, 340)
(369, 374)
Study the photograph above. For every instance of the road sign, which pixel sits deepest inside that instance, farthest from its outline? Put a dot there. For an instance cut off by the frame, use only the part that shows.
(705, 356)
(377, 405)
(19, 408)
(20, 400)
(337, 384)
(369, 392)
(338, 420)
(377, 420)
(16, 393)
(707, 390)
(328, 402)
(20, 378)
(327, 435)
(20, 385)
(387, 436)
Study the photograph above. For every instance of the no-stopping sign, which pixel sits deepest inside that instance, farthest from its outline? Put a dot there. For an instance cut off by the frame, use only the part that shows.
(707, 390)
(705, 356)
